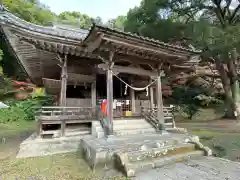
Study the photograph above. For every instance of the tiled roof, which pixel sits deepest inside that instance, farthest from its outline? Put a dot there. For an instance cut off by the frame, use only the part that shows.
(63, 31)
(146, 39)
(57, 30)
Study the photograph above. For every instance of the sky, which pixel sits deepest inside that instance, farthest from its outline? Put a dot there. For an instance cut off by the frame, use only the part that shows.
(106, 9)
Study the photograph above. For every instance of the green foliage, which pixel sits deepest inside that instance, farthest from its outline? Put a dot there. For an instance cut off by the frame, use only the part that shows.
(76, 19)
(190, 99)
(189, 110)
(206, 100)
(117, 23)
(1, 69)
(23, 110)
(31, 11)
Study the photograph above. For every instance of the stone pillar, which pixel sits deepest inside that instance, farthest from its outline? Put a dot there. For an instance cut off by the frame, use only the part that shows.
(160, 115)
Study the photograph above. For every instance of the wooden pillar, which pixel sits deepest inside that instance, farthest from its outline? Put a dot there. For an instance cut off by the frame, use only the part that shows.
(110, 94)
(63, 93)
(93, 94)
(160, 114)
(132, 97)
(151, 96)
(94, 98)
(63, 83)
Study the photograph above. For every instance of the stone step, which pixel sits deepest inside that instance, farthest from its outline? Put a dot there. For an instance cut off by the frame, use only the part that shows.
(169, 124)
(125, 132)
(131, 169)
(127, 127)
(161, 151)
(123, 122)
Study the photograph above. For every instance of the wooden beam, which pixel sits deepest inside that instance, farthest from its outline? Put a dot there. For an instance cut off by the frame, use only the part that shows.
(155, 51)
(129, 70)
(81, 77)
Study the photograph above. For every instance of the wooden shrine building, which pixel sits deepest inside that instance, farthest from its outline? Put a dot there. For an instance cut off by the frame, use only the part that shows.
(81, 67)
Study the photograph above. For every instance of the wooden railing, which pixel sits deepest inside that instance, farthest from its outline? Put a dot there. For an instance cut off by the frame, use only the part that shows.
(150, 114)
(67, 112)
(52, 115)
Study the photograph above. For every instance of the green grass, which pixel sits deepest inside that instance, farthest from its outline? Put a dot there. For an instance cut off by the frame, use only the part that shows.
(203, 115)
(11, 135)
(225, 145)
(14, 128)
(69, 166)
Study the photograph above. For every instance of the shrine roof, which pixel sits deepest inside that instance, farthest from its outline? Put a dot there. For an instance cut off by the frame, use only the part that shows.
(7, 18)
(36, 47)
(78, 34)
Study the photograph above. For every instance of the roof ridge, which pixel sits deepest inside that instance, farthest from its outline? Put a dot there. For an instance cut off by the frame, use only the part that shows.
(152, 40)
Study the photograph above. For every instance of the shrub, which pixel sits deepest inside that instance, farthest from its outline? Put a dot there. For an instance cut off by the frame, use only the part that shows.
(23, 110)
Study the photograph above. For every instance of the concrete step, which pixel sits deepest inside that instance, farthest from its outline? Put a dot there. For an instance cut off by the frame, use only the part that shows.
(125, 132)
(117, 127)
(124, 122)
(131, 169)
(150, 153)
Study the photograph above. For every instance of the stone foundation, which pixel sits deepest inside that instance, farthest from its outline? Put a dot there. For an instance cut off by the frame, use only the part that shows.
(101, 151)
(35, 146)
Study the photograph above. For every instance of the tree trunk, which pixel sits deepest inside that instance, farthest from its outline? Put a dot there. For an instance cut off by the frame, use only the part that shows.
(229, 111)
(234, 83)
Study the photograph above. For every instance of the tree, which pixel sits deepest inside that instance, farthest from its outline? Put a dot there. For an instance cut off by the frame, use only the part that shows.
(210, 25)
(98, 21)
(30, 10)
(219, 39)
(117, 23)
(76, 18)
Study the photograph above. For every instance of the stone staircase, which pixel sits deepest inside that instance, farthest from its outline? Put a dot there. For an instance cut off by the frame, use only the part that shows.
(136, 147)
(123, 127)
(151, 156)
(131, 152)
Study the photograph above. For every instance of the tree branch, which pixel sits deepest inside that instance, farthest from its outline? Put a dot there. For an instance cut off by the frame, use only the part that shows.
(226, 8)
(234, 14)
(219, 12)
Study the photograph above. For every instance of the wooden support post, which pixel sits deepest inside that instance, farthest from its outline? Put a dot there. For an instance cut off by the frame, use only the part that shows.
(110, 94)
(63, 93)
(151, 96)
(93, 94)
(160, 114)
(94, 97)
(132, 96)
(63, 83)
